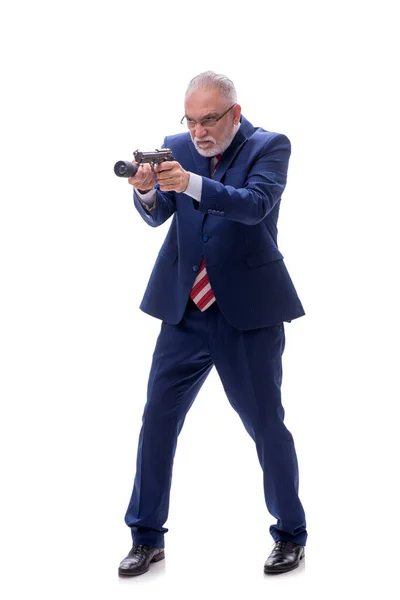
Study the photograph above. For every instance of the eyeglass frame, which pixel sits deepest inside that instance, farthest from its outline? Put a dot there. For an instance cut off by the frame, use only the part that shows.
(215, 119)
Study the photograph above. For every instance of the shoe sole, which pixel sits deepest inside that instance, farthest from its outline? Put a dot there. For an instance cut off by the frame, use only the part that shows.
(280, 571)
(158, 557)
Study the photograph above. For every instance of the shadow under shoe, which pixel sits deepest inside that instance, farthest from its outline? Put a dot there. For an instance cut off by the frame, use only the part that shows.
(284, 557)
(139, 559)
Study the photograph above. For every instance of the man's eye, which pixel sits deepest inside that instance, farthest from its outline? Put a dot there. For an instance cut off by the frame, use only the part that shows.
(208, 122)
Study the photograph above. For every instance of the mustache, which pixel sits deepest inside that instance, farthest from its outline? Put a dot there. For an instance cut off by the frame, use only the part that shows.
(205, 139)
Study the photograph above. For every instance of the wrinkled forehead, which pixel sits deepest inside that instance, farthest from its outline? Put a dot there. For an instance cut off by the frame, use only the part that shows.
(202, 102)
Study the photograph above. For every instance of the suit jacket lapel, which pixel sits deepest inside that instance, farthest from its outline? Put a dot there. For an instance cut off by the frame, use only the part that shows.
(202, 163)
(245, 131)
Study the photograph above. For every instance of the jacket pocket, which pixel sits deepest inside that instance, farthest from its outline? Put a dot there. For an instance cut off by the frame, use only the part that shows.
(261, 258)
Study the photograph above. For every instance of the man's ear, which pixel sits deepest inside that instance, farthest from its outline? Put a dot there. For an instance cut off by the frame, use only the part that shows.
(237, 111)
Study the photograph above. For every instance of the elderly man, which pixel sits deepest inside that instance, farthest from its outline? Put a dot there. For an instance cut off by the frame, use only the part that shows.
(222, 291)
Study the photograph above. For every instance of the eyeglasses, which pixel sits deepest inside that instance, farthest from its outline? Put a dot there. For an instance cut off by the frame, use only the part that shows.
(206, 122)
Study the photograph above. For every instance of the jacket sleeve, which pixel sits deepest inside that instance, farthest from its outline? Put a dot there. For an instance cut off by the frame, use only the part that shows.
(263, 188)
(163, 209)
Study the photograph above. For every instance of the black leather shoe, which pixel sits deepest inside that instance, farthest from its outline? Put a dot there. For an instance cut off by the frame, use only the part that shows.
(138, 560)
(285, 556)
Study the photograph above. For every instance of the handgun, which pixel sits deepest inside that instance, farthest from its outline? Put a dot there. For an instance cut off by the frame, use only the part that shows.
(129, 169)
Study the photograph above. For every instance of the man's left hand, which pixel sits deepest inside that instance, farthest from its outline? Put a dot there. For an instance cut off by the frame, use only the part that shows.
(171, 176)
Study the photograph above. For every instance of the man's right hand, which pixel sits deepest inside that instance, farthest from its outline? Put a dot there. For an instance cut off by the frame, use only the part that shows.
(144, 179)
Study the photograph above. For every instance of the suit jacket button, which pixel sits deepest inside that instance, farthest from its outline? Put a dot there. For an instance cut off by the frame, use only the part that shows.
(205, 238)
(195, 268)
(222, 213)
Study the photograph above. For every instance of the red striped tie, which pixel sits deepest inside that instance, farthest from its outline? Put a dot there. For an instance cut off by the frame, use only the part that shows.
(218, 158)
(201, 292)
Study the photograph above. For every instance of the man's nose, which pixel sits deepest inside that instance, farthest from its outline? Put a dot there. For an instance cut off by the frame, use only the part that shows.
(199, 130)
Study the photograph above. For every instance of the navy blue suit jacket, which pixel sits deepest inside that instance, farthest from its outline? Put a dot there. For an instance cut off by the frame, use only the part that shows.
(234, 227)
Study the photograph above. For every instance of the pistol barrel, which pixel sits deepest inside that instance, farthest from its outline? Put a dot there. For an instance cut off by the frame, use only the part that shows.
(125, 169)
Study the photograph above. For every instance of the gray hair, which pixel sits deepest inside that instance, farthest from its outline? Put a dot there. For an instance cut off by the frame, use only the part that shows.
(210, 80)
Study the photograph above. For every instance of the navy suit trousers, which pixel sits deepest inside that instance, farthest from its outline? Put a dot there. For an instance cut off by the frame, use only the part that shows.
(249, 364)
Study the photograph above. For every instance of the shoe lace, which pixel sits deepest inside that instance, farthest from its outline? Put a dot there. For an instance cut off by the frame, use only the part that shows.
(280, 544)
(139, 549)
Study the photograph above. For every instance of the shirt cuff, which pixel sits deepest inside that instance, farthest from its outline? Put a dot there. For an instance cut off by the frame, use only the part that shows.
(148, 200)
(194, 187)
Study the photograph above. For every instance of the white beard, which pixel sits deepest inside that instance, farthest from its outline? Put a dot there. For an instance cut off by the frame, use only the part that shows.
(215, 148)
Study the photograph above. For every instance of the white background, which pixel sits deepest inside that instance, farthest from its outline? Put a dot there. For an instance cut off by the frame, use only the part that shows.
(83, 85)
